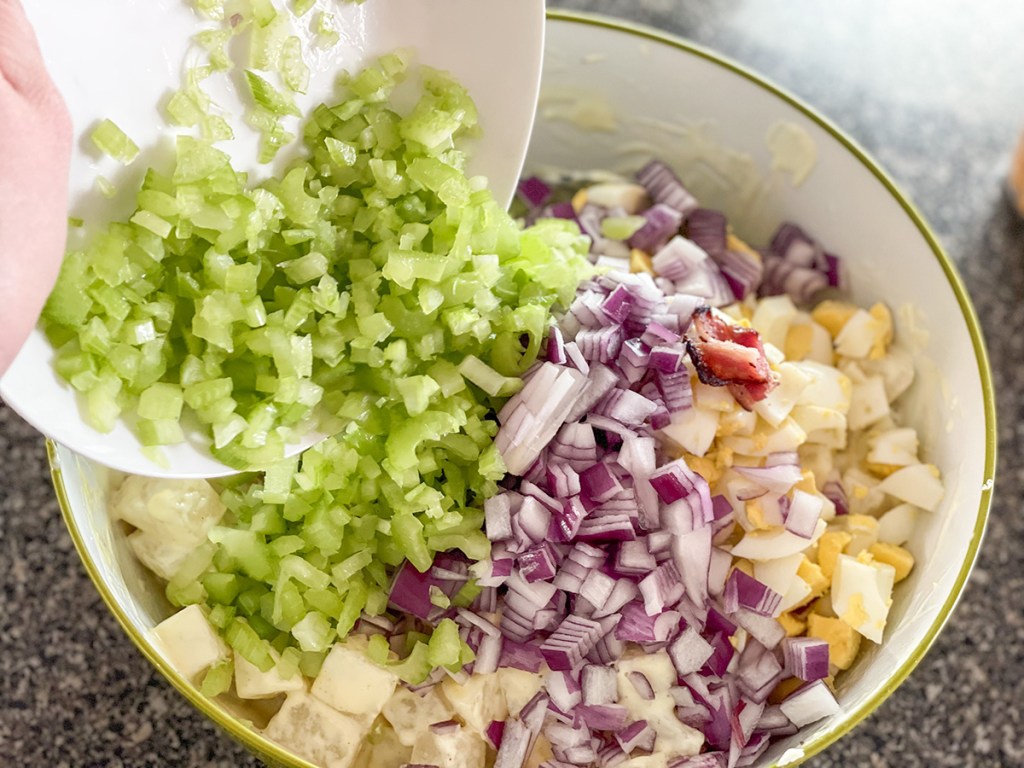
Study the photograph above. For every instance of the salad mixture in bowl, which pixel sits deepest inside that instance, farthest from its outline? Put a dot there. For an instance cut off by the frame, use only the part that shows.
(608, 485)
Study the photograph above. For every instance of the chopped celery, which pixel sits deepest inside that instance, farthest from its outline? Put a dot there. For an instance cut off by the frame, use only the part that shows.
(370, 282)
(114, 142)
(217, 679)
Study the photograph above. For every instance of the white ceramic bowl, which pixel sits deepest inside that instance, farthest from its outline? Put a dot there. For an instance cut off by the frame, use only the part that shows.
(613, 96)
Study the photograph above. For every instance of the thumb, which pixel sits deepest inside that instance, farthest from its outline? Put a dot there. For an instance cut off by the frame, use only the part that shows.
(21, 62)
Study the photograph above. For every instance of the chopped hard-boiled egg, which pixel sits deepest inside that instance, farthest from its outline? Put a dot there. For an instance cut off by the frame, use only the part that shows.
(918, 484)
(897, 525)
(868, 402)
(632, 198)
(775, 543)
(843, 641)
(862, 594)
(899, 558)
(693, 430)
(773, 317)
(862, 333)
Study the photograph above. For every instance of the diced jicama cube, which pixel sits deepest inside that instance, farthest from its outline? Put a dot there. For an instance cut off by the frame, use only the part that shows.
(188, 641)
(453, 747)
(317, 732)
(411, 713)
(251, 683)
(351, 683)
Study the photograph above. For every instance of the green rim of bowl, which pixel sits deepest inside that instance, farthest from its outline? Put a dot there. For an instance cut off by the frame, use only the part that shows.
(269, 750)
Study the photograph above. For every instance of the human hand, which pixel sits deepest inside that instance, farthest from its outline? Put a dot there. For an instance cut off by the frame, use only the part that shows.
(35, 152)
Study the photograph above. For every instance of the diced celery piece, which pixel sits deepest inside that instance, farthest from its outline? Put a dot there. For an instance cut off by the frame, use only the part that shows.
(268, 97)
(112, 141)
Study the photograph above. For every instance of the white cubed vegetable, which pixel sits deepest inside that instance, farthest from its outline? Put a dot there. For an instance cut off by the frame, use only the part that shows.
(630, 197)
(519, 686)
(178, 510)
(810, 704)
(159, 554)
(862, 594)
(859, 335)
(693, 430)
(798, 591)
(458, 749)
(772, 318)
(317, 732)
(780, 401)
(188, 641)
(410, 713)
(251, 683)
(918, 485)
(788, 436)
(897, 525)
(778, 574)
(774, 543)
(382, 747)
(868, 403)
(774, 355)
(173, 517)
(478, 701)
(351, 683)
(896, 447)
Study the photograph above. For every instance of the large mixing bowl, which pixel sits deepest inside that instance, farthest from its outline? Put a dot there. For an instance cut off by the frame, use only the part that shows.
(614, 96)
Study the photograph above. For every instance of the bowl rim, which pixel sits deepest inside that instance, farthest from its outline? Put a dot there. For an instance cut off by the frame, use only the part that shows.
(265, 748)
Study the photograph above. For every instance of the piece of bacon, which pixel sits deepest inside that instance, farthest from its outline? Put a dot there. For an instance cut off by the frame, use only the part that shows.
(730, 355)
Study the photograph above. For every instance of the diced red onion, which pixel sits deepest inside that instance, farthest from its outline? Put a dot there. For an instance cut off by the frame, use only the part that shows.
(806, 658)
(664, 187)
(689, 652)
(747, 592)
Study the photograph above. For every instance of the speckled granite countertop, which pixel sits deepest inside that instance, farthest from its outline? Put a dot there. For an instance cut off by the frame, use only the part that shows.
(935, 91)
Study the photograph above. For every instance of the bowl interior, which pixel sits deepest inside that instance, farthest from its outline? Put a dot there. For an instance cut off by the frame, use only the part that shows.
(613, 97)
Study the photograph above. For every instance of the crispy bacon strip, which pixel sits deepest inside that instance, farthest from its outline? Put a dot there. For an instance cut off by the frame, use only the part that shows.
(730, 355)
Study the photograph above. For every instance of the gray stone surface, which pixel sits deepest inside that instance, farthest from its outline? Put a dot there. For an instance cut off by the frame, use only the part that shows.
(936, 92)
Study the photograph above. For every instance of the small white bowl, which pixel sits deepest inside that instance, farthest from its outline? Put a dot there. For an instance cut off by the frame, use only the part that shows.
(615, 95)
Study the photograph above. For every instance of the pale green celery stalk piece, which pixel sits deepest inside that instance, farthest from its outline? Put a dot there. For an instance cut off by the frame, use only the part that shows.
(112, 141)
(106, 186)
(267, 96)
(327, 35)
(294, 71)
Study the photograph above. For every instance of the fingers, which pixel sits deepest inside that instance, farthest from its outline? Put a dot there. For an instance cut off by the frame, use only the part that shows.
(21, 62)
